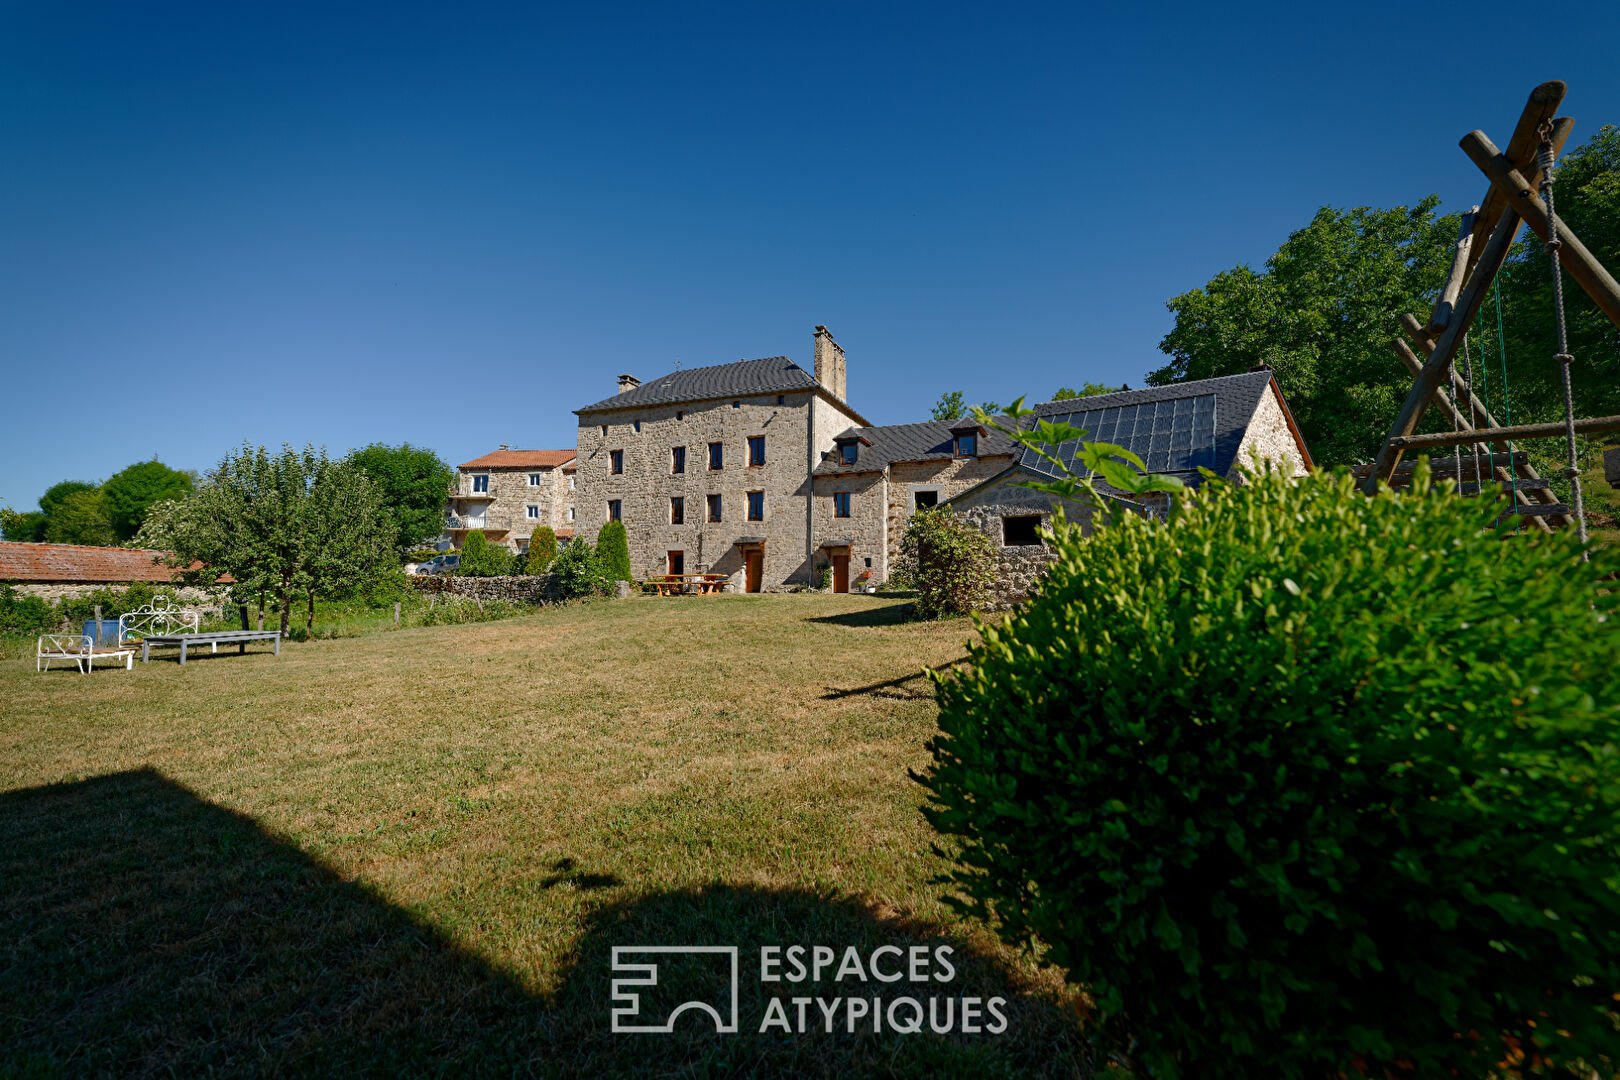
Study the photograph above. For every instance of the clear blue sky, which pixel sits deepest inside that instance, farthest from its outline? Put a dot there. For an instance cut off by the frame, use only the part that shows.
(452, 224)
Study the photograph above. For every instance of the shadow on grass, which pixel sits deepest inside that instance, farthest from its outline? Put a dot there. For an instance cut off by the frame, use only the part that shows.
(913, 687)
(148, 932)
(886, 615)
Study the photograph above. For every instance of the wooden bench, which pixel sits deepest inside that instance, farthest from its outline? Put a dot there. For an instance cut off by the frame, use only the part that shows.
(680, 584)
(79, 648)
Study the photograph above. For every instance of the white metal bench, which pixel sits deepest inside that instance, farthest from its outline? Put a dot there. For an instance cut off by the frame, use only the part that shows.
(81, 649)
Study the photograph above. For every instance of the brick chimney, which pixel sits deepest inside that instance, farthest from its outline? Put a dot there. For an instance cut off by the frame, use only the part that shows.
(830, 363)
(628, 382)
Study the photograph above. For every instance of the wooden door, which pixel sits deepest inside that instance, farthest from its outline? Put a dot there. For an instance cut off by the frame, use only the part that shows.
(677, 562)
(754, 559)
(840, 561)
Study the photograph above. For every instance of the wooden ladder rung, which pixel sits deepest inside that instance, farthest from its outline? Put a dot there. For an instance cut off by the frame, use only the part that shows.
(1539, 484)
(1537, 510)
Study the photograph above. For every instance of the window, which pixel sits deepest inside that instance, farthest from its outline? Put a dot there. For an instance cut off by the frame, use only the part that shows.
(840, 504)
(480, 484)
(1021, 531)
(638, 427)
(967, 445)
(923, 499)
(756, 450)
(714, 508)
(677, 459)
(613, 510)
(717, 455)
(848, 452)
(570, 513)
(756, 506)
(677, 510)
(604, 429)
(570, 483)
(680, 415)
(736, 404)
(533, 512)
(616, 457)
(536, 479)
(781, 399)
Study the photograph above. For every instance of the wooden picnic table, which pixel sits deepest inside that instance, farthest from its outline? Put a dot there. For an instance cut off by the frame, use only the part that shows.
(676, 584)
(213, 639)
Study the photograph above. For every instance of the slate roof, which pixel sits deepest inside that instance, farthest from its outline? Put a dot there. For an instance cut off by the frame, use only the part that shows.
(772, 375)
(521, 459)
(927, 441)
(79, 563)
(1236, 398)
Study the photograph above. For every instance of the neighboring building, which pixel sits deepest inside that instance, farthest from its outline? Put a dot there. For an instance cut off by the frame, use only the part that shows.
(711, 469)
(1216, 424)
(510, 493)
(54, 571)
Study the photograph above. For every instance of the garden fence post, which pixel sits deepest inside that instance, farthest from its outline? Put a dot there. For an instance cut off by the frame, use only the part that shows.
(97, 638)
(396, 614)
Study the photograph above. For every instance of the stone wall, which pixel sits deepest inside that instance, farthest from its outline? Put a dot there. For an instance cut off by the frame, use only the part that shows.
(525, 589)
(947, 476)
(1269, 438)
(188, 597)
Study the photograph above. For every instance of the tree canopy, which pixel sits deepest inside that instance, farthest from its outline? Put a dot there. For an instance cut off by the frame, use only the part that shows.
(128, 494)
(1323, 311)
(413, 482)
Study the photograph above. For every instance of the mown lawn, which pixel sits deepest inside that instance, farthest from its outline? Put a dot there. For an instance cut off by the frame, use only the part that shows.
(411, 853)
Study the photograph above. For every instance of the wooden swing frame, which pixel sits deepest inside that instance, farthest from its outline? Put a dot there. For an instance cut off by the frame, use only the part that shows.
(1486, 236)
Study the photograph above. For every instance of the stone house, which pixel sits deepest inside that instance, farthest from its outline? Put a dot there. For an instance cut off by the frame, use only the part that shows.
(509, 493)
(1216, 424)
(711, 469)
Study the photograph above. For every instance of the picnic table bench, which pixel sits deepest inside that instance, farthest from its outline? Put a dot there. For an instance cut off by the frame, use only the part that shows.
(213, 639)
(81, 649)
(677, 584)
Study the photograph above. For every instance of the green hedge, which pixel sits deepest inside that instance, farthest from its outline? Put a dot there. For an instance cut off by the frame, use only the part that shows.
(1304, 783)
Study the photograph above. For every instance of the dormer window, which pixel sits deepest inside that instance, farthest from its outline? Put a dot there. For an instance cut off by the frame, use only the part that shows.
(848, 452)
(965, 441)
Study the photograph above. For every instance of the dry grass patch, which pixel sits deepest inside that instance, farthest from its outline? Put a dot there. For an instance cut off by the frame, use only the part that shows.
(413, 851)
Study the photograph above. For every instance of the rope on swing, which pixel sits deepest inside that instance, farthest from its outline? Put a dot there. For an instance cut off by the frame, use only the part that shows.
(1507, 405)
(1573, 471)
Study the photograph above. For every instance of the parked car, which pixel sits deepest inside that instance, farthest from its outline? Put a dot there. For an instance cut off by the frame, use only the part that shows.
(439, 564)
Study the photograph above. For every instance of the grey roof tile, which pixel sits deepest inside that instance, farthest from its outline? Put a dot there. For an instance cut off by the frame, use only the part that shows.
(772, 375)
(909, 442)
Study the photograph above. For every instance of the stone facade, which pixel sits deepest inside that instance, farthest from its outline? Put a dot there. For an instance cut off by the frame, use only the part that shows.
(523, 490)
(1270, 438)
(646, 438)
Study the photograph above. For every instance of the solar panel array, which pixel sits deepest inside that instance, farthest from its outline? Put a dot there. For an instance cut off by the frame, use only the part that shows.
(1169, 436)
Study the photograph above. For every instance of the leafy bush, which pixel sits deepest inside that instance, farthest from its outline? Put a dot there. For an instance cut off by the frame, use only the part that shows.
(114, 600)
(542, 549)
(22, 615)
(577, 572)
(613, 552)
(1304, 783)
(480, 558)
(949, 562)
